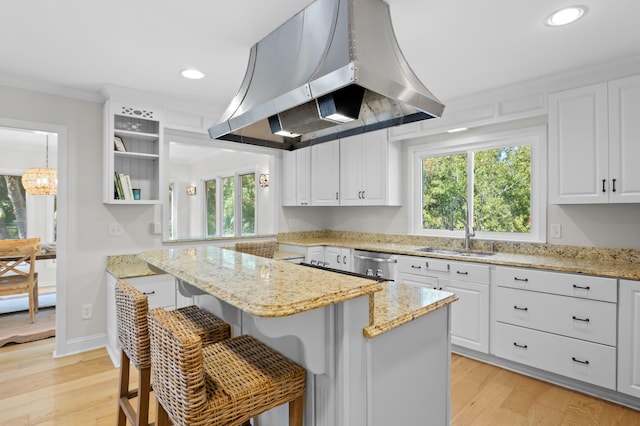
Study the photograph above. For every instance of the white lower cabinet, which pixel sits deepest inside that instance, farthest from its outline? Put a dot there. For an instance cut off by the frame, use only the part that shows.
(468, 281)
(315, 255)
(338, 258)
(629, 338)
(590, 362)
(561, 323)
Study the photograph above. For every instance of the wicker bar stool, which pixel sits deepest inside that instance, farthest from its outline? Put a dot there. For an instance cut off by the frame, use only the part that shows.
(257, 248)
(133, 335)
(226, 383)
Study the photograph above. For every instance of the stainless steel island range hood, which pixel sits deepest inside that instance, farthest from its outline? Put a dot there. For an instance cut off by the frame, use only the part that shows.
(333, 70)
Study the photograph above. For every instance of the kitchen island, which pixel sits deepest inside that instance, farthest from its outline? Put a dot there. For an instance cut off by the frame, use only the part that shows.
(376, 353)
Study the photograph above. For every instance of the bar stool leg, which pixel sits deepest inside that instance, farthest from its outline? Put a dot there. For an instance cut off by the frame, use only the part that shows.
(296, 411)
(162, 418)
(144, 387)
(124, 387)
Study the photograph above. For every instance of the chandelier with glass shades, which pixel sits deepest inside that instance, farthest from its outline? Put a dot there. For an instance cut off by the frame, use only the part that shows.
(41, 181)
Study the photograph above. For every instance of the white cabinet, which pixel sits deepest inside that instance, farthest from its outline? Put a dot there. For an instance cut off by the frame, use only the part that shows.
(296, 174)
(132, 153)
(369, 170)
(325, 174)
(629, 338)
(594, 143)
(469, 281)
(338, 258)
(562, 323)
(161, 293)
(315, 255)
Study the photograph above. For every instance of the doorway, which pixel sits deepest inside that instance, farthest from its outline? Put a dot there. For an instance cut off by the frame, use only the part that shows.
(24, 145)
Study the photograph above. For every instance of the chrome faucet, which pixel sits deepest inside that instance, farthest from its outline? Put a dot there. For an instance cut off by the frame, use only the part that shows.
(468, 231)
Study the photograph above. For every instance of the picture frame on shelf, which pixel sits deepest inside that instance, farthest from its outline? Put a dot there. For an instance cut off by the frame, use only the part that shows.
(118, 144)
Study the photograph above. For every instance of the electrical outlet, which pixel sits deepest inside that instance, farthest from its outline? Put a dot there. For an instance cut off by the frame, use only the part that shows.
(115, 230)
(87, 311)
(556, 230)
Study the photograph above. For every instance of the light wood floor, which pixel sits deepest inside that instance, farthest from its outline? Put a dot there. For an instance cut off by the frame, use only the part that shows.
(36, 389)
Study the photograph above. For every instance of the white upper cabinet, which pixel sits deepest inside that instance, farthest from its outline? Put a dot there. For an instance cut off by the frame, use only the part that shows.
(594, 144)
(296, 172)
(624, 140)
(325, 174)
(132, 154)
(369, 170)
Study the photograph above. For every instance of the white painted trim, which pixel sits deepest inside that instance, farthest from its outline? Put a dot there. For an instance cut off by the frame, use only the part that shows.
(83, 344)
(62, 250)
(534, 136)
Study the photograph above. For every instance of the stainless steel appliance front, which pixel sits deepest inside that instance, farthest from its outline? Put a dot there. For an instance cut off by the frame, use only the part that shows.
(375, 264)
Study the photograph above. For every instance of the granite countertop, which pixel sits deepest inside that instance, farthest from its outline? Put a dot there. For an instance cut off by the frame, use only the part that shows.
(399, 304)
(589, 261)
(259, 286)
(125, 266)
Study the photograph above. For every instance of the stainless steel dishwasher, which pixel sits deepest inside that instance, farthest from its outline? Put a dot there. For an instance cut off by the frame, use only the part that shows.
(375, 264)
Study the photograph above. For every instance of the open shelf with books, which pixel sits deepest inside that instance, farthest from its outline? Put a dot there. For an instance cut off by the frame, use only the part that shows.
(133, 147)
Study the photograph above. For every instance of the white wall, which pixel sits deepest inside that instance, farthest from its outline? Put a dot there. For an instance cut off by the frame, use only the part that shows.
(87, 242)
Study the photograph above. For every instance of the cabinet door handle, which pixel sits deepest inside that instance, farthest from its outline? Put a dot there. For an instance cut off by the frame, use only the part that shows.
(336, 195)
(416, 267)
(338, 259)
(363, 195)
(524, 280)
(520, 346)
(586, 362)
(603, 185)
(149, 293)
(462, 273)
(344, 260)
(359, 195)
(613, 189)
(580, 319)
(522, 309)
(580, 287)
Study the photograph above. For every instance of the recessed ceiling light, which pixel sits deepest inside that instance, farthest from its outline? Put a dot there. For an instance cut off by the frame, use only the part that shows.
(565, 16)
(192, 74)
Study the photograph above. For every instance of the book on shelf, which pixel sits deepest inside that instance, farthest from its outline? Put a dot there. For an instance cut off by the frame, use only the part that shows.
(117, 187)
(123, 189)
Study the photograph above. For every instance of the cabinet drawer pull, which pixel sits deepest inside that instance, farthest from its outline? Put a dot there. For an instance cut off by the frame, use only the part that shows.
(520, 346)
(580, 319)
(462, 273)
(149, 293)
(603, 183)
(523, 309)
(524, 280)
(416, 267)
(580, 361)
(580, 287)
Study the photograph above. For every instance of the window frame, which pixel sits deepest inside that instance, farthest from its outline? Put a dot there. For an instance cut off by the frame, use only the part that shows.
(536, 137)
(237, 176)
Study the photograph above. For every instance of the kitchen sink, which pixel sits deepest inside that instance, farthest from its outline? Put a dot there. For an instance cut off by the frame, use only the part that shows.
(451, 252)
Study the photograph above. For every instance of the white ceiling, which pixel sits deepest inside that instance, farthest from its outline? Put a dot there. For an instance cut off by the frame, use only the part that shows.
(456, 47)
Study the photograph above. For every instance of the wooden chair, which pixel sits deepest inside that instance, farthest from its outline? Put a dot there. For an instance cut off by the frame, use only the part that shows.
(226, 383)
(14, 256)
(133, 335)
(257, 248)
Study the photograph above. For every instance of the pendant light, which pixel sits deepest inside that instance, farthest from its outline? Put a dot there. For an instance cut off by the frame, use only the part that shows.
(41, 181)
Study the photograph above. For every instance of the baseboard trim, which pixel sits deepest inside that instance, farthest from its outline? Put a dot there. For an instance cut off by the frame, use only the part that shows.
(83, 344)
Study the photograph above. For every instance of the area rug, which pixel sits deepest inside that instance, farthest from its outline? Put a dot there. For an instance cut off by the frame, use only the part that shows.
(16, 328)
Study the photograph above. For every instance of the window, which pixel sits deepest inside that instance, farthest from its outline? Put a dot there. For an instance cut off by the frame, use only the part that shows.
(500, 178)
(231, 211)
(13, 208)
